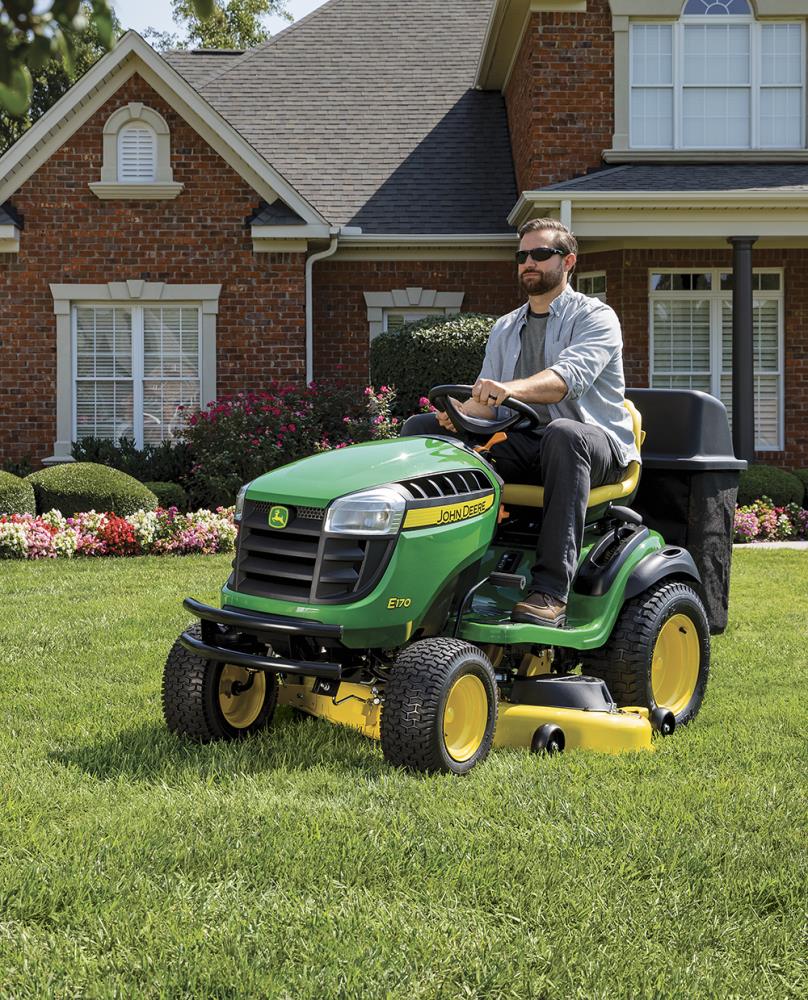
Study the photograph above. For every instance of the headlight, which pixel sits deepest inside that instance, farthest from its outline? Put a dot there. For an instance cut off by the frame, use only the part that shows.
(242, 493)
(374, 512)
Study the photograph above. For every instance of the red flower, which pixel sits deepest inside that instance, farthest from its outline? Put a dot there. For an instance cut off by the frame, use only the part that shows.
(119, 536)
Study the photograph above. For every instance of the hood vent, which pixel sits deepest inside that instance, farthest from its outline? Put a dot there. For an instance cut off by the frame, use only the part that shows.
(447, 485)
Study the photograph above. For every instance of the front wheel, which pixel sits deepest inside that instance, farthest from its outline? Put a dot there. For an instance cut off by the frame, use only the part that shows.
(658, 655)
(440, 707)
(215, 701)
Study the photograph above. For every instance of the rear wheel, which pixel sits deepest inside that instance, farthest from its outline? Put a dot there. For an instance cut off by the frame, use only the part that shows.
(440, 707)
(215, 701)
(658, 655)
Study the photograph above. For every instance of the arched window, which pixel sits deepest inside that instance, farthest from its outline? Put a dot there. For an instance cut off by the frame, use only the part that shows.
(137, 153)
(136, 156)
(717, 79)
(717, 7)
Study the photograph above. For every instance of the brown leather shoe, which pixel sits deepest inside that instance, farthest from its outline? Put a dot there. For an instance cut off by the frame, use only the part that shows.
(540, 609)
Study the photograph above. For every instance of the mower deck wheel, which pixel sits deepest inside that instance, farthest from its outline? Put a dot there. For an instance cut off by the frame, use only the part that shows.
(215, 701)
(548, 739)
(440, 707)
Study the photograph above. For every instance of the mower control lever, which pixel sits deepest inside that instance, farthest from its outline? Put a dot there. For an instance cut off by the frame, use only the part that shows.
(625, 515)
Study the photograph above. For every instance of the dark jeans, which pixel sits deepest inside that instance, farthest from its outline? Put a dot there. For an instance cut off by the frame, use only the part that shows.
(568, 459)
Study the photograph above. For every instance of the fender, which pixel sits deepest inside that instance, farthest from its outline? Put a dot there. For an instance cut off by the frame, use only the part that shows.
(669, 561)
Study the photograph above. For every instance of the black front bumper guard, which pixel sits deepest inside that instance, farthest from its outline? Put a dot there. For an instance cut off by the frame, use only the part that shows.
(263, 628)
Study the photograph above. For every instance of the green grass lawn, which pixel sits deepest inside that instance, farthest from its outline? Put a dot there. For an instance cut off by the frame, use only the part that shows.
(300, 865)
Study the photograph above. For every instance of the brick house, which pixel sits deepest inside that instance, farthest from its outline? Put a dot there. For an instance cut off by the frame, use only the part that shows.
(184, 226)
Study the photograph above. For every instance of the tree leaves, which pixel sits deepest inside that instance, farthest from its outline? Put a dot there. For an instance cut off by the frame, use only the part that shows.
(230, 24)
(53, 63)
(30, 37)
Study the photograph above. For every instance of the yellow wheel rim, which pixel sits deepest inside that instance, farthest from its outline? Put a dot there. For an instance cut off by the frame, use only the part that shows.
(675, 665)
(465, 717)
(241, 709)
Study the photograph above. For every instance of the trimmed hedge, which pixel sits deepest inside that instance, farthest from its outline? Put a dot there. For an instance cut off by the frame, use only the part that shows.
(169, 495)
(81, 486)
(16, 495)
(438, 350)
(802, 475)
(781, 487)
(168, 462)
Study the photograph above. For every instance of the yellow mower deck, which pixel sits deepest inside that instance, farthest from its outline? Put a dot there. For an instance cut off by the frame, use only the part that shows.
(607, 732)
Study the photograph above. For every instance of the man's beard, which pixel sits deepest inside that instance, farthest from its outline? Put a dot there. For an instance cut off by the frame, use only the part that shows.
(540, 282)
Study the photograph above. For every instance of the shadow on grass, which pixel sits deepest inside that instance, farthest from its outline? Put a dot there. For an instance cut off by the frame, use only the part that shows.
(150, 753)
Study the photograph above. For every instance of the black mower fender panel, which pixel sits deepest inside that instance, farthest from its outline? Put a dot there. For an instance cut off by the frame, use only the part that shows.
(670, 561)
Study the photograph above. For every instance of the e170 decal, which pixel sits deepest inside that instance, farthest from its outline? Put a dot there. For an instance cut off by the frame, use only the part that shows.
(399, 602)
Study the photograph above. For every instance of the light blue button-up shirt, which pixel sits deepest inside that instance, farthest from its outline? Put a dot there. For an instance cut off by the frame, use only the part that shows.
(584, 345)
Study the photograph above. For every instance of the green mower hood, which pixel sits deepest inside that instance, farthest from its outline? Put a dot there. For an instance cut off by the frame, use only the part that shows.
(319, 479)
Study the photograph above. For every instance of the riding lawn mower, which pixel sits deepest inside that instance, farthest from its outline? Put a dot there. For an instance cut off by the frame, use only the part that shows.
(372, 587)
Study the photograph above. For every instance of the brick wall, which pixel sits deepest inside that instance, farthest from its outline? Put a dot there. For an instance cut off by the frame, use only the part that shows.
(70, 236)
(341, 339)
(560, 96)
(627, 284)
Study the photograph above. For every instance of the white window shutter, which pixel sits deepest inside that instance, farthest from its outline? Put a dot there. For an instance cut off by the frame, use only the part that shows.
(137, 154)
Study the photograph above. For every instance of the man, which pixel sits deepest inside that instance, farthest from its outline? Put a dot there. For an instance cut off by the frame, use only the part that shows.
(562, 353)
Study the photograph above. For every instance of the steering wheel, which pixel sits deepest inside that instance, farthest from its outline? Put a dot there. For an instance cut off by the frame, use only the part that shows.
(440, 396)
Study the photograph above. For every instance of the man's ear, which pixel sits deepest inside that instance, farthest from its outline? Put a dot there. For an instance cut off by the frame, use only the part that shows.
(569, 268)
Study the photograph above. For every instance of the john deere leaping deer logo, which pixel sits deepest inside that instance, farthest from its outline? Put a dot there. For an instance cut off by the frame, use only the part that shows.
(278, 517)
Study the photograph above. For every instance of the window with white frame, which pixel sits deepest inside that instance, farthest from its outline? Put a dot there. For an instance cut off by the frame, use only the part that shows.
(394, 319)
(389, 311)
(691, 341)
(717, 79)
(136, 370)
(592, 283)
(136, 156)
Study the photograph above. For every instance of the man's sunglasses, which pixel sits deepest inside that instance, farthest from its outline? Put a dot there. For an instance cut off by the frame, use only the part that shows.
(539, 253)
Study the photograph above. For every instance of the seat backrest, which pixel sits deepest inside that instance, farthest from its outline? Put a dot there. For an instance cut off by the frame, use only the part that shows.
(533, 496)
(636, 423)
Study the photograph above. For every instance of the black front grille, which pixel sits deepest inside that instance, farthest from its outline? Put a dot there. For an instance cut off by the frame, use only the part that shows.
(301, 563)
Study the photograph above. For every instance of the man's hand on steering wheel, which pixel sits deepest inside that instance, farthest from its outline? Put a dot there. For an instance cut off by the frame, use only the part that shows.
(476, 418)
(489, 393)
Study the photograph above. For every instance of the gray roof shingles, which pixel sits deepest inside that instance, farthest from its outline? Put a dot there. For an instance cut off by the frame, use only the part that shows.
(367, 108)
(693, 177)
(197, 66)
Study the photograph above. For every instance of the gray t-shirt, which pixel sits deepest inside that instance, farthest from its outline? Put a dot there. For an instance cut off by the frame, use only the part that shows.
(531, 357)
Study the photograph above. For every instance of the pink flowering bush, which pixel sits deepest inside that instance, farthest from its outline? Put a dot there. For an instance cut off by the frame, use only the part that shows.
(157, 532)
(236, 438)
(761, 521)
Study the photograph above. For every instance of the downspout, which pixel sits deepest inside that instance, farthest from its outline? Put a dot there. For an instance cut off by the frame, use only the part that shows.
(333, 232)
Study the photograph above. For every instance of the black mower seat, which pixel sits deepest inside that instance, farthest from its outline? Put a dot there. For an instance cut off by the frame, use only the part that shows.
(527, 495)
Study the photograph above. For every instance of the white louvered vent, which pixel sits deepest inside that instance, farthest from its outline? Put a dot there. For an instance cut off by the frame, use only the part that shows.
(137, 154)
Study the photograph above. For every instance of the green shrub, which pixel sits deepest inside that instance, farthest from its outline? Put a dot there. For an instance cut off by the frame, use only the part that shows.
(169, 495)
(438, 350)
(16, 495)
(82, 486)
(781, 487)
(802, 475)
(235, 439)
(21, 468)
(168, 462)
